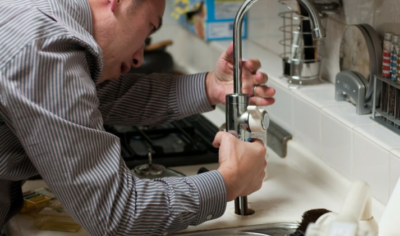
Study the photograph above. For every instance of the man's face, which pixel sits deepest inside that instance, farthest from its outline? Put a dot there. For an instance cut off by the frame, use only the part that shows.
(121, 30)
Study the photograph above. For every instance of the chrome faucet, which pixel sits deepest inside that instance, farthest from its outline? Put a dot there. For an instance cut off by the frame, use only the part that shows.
(240, 117)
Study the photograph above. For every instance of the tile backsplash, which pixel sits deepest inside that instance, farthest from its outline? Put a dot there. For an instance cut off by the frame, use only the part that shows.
(383, 15)
(374, 150)
(353, 145)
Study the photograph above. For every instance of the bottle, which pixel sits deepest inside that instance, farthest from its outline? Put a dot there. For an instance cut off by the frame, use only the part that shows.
(387, 48)
(387, 44)
(394, 57)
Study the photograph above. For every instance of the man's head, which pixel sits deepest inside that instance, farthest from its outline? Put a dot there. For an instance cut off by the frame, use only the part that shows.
(120, 28)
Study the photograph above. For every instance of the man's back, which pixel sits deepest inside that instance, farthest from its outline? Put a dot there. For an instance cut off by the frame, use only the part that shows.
(27, 27)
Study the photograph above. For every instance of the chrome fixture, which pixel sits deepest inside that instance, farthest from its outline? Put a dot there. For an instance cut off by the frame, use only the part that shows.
(239, 117)
(318, 31)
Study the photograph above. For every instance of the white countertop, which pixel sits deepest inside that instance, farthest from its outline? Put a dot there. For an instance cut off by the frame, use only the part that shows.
(295, 184)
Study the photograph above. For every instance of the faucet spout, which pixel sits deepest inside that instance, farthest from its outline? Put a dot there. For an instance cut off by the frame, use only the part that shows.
(237, 45)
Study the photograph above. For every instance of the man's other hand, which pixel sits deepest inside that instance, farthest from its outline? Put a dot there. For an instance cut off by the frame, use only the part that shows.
(220, 82)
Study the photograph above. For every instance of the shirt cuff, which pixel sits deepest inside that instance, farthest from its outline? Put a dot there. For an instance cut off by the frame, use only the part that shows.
(191, 95)
(212, 193)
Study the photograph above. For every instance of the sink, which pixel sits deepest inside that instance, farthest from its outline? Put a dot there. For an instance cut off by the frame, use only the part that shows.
(272, 229)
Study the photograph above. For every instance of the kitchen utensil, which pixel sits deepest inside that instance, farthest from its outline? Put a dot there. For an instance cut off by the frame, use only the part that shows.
(296, 54)
(301, 57)
(384, 115)
(351, 86)
(305, 73)
(308, 42)
(377, 45)
(354, 56)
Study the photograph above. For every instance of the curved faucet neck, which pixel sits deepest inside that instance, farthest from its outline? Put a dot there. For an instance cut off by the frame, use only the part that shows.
(318, 33)
(237, 45)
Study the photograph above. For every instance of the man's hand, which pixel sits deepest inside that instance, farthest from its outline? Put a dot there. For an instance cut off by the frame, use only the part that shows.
(242, 164)
(220, 82)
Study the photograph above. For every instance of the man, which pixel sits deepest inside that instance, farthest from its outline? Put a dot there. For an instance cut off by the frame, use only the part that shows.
(61, 63)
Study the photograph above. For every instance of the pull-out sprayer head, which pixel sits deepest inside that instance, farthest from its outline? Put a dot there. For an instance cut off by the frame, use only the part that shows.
(318, 32)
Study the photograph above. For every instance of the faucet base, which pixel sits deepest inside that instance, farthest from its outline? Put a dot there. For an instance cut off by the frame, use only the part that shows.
(241, 207)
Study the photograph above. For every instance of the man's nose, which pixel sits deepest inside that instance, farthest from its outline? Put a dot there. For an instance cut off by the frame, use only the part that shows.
(137, 59)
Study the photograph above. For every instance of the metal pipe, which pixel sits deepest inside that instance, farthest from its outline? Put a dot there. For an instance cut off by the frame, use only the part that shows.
(237, 46)
(318, 31)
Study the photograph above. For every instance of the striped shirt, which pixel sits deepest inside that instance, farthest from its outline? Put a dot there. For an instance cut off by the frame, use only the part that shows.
(51, 123)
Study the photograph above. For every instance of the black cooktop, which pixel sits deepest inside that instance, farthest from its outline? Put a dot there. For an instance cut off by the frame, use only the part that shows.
(184, 142)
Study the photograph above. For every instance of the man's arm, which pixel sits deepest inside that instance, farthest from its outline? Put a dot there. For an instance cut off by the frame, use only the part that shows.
(51, 104)
(151, 99)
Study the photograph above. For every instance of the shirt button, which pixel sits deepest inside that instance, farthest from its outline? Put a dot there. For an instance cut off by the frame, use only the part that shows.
(209, 217)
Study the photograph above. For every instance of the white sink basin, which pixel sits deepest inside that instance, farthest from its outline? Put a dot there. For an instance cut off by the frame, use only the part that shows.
(273, 229)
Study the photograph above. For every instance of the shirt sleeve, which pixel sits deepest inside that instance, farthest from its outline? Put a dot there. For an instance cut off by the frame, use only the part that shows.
(48, 96)
(151, 99)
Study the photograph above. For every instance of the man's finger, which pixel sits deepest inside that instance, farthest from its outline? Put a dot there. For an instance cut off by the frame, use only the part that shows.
(264, 91)
(260, 78)
(224, 135)
(217, 140)
(228, 54)
(257, 101)
(252, 65)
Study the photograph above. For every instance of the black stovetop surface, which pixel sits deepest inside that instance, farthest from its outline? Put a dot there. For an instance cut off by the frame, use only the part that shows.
(184, 142)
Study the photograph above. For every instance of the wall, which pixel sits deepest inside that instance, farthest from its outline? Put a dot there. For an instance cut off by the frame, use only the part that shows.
(383, 15)
(353, 145)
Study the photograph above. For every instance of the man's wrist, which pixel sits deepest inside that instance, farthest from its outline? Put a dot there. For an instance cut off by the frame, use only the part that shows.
(209, 88)
(230, 188)
(212, 196)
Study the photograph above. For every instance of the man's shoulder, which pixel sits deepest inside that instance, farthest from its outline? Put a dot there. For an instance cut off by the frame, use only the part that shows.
(45, 21)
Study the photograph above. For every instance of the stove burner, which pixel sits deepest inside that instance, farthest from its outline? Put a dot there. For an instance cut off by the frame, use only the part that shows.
(184, 142)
